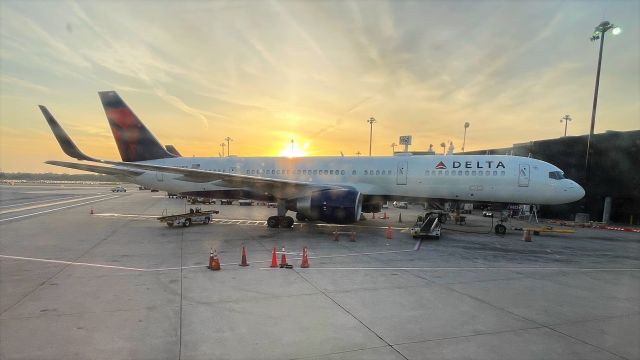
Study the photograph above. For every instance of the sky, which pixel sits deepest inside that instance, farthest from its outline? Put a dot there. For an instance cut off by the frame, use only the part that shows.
(267, 72)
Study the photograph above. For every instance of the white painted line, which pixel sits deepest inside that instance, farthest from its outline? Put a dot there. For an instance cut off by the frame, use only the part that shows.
(127, 215)
(49, 204)
(70, 263)
(33, 202)
(472, 268)
(56, 209)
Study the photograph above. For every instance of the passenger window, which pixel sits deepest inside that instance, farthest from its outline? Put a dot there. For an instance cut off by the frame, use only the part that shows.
(278, 172)
(370, 172)
(480, 173)
(298, 171)
(466, 173)
(473, 173)
(453, 173)
(433, 173)
(366, 172)
(353, 172)
(315, 172)
(377, 172)
(446, 172)
(459, 172)
(487, 173)
(252, 172)
(439, 172)
(495, 173)
(426, 172)
(502, 172)
(304, 172)
(342, 172)
(326, 172)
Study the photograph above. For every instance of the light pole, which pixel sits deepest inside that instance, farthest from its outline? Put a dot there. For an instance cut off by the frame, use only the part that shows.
(444, 148)
(228, 146)
(464, 140)
(566, 120)
(598, 33)
(370, 121)
(222, 145)
(292, 147)
(358, 153)
(393, 148)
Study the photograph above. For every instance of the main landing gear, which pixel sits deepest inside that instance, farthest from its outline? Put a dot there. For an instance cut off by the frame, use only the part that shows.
(281, 220)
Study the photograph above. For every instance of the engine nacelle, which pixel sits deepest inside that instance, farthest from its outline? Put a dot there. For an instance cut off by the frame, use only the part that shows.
(336, 206)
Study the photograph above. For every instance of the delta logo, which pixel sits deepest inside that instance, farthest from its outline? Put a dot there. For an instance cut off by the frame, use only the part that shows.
(488, 164)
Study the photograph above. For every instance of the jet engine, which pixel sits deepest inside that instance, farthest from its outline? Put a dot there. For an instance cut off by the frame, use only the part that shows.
(336, 206)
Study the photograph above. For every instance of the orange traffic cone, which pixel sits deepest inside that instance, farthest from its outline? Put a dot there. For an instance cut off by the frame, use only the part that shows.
(400, 218)
(243, 262)
(373, 215)
(283, 258)
(305, 258)
(91, 211)
(352, 238)
(389, 233)
(526, 235)
(385, 217)
(214, 262)
(274, 259)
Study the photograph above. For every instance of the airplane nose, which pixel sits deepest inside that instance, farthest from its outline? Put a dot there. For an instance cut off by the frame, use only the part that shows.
(574, 192)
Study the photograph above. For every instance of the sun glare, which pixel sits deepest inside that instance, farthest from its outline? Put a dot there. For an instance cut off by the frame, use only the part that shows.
(293, 151)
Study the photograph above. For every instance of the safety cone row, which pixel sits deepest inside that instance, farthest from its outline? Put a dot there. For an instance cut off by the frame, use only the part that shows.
(243, 262)
(214, 262)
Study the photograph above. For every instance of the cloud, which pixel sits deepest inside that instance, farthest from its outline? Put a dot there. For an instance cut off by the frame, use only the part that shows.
(23, 83)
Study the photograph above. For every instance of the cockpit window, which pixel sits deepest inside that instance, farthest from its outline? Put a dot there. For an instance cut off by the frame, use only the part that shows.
(557, 175)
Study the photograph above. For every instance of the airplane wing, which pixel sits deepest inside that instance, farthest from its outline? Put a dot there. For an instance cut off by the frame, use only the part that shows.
(97, 169)
(280, 188)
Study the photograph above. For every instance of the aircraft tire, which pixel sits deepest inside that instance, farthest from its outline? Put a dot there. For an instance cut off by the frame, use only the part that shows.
(273, 222)
(207, 220)
(186, 223)
(287, 222)
(500, 229)
(300, 217)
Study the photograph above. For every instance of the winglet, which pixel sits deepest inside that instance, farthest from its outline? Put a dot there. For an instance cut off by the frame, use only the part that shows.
(64, 140)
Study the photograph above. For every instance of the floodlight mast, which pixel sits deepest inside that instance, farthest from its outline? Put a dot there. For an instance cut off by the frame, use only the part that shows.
(598, 34)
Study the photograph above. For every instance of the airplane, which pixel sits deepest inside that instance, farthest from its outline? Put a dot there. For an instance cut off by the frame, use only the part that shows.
(329, 188)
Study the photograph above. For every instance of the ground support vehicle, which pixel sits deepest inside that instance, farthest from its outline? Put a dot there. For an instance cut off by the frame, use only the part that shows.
(193, 216)
(428, 226)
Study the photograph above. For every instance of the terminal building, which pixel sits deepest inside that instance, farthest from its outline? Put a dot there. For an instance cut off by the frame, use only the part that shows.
(613, 184)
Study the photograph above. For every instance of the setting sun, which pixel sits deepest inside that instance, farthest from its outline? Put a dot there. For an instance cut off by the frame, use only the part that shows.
(292, 150)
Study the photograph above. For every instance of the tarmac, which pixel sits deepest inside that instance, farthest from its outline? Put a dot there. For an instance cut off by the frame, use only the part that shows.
(118, 284)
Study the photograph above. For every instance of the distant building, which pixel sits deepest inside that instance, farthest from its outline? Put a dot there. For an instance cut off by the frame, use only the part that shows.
(615, 172)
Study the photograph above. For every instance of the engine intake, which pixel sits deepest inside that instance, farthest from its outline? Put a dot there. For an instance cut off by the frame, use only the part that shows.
(337, 206)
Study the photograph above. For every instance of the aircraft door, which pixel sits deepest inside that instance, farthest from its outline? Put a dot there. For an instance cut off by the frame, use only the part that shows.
(523, 175)
(401, 175)
(159, 176)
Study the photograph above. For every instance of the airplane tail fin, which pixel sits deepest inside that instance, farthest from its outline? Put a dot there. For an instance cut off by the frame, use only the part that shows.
(67, 145)
(135, 142)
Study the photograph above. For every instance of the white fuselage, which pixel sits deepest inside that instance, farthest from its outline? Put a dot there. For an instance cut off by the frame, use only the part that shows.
(488, 178)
